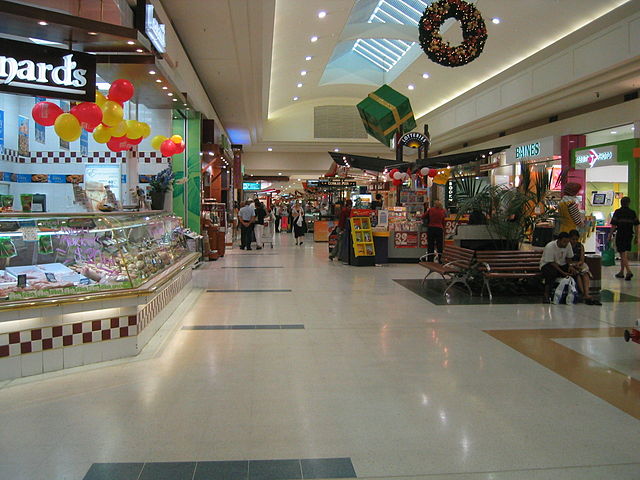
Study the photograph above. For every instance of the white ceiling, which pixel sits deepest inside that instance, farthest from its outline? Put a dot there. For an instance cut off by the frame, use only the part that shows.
(249, 55)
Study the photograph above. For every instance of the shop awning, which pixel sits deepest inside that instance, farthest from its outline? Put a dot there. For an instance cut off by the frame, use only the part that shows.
(460, 158)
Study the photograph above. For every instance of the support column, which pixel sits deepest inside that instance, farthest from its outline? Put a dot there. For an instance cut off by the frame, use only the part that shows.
(568, 143)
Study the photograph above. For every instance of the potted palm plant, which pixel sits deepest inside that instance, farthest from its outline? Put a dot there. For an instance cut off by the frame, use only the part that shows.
(510, 213)
(160, 184)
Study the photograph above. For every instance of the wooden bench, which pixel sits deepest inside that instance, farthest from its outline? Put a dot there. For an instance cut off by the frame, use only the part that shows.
(507, 265)
(454, 267)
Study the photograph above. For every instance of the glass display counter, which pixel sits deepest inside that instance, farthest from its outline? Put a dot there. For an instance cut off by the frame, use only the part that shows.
(51, 255)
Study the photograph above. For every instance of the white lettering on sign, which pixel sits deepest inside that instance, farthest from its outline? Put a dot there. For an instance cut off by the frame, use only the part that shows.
(65, 75)
(596, 157)
(155, 30)
(531, 150)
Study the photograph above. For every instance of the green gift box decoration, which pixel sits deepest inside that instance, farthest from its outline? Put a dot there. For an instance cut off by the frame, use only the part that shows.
(384, 111)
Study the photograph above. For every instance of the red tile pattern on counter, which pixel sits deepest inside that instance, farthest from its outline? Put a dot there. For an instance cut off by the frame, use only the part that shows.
(74, 157)
(155, 306)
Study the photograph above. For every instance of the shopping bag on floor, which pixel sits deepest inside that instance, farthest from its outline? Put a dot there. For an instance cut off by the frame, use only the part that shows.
(565, 292)
(609, 257)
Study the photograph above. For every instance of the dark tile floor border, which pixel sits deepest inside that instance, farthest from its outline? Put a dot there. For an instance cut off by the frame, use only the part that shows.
(293, 326)
(252, 267)
(226, 470)
(249, 291)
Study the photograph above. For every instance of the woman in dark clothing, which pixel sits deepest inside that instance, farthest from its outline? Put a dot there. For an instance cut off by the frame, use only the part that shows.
(435, 229)
(299, 225)
(624, 224)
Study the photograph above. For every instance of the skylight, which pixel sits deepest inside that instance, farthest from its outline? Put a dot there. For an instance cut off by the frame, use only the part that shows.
(385, 53)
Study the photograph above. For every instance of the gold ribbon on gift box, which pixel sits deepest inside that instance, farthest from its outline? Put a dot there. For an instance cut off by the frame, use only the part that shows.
(396, 115)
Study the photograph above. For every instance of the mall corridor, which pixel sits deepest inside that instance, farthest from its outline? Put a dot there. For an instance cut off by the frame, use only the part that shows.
(283, 355)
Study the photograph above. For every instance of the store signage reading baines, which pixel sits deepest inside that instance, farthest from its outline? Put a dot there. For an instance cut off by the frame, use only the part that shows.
(40, 71)
(596, 157)
(536, 150)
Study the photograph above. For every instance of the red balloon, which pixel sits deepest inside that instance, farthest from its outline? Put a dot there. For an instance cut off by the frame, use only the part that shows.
(45, 113)
(89, 114)
(121, 91)
(134, 141)
(396, 182)
(168, 148)
(181, 146)
(433, 172)
(392, 172)
(118, 144)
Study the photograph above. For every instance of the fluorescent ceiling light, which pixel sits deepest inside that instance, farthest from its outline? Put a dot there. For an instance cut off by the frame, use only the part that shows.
(299, 85)
(411, 87)
(308, 57)
(314, 39)
(39, 41)
(303, 73)
(295, 99)
(269, 149)
(43, 23)
(131, 42)
(152, 72)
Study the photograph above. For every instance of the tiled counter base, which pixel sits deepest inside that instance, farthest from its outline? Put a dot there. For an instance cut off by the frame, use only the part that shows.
(34, 341)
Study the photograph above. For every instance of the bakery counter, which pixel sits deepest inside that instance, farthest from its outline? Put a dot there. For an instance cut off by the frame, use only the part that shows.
(80, 289)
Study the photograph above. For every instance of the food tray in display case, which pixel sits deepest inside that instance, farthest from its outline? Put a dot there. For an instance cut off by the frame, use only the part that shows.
(52, 255)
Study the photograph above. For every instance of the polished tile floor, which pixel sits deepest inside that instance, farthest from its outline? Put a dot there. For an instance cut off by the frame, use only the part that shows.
(373, 373)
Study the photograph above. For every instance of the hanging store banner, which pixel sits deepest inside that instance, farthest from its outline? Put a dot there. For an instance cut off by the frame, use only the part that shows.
(596, 157)
(31, 69)
(537, 150)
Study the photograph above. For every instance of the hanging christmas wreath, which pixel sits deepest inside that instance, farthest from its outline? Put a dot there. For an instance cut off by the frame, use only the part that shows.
(474, 33)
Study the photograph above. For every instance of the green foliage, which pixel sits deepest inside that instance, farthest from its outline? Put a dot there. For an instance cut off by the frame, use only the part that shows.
(510, 212)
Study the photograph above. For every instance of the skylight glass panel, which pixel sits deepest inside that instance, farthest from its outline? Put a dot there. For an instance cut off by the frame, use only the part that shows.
(385, 53)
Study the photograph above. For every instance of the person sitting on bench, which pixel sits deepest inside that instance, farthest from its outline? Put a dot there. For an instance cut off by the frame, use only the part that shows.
(556, 262)
(583, 275)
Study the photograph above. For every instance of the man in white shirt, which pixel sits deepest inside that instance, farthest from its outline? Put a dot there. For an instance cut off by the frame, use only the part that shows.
(556, 262)
(246, 217)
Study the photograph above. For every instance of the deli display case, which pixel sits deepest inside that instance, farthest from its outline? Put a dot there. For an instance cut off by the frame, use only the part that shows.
(50, 255)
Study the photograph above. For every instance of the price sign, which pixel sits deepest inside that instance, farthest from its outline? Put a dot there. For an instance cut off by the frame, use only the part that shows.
(405, 239)
(423, 240)
(29, 234)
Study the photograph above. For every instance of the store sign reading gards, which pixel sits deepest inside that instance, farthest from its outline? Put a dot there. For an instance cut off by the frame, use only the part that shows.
(531, 150)
(33, 69)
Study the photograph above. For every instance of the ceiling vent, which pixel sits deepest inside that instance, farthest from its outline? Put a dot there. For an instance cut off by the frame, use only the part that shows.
(337, 121)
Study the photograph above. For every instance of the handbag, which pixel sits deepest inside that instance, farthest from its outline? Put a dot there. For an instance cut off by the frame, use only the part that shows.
(608, 256)
(565, 292)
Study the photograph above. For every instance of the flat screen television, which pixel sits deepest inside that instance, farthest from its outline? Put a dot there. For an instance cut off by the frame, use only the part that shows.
(602, 198)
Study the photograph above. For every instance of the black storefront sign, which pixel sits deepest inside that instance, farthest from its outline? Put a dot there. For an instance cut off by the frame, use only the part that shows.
(31, 69)
(450, 195)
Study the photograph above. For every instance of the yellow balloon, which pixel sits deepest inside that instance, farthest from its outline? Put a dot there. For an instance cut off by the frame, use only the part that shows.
(100, 99)
(157, 141)
(176, 139)
(112, 113)
(119, 130)
(134, 129)
(68, 127)
(102, 134)
(146, 129)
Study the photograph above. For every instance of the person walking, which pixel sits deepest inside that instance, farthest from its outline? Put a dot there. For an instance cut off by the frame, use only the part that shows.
(258, 226)
(284, 218)
(299, 225)
(625, 225)
(246, 217)
(343, 218)
(435, 229)
(276, 213)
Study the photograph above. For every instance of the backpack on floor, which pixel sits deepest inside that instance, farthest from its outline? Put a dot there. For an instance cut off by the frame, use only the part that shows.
(566, 292)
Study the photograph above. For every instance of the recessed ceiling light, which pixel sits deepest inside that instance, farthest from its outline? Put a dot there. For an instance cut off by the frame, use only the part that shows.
(139, 50)
(92, 33)
(426, 75)
(303, 73)
(322, 14)
(269, 149)
(295, 99)
(495, 20)
(308, 57)
(175, 99)
(336, 149)
(152, 72)
(170, 94)
(158, 81)
(43, 23)
(299, 85)
(279, 173)
(131, 42)
(411, 86)
(299, 179)
(314, 39)
(613, 132)
(165, 88)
